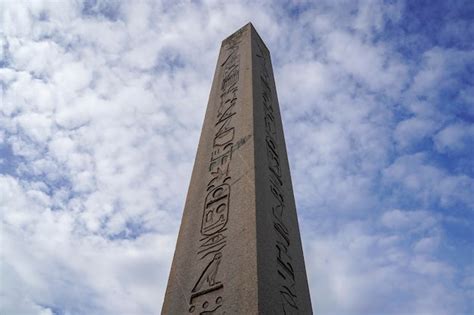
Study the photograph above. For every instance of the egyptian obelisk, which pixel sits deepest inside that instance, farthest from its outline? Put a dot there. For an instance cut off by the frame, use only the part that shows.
(239, 248)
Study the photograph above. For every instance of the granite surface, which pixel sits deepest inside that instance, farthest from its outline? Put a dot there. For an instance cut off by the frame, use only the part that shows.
(239, 248)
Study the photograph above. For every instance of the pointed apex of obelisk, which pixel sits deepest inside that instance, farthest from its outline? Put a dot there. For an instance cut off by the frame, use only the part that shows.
(251, 29)
(241, 30)
(251, 26)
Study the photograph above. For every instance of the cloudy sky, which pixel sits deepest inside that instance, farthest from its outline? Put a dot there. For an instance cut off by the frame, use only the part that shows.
(100, 112)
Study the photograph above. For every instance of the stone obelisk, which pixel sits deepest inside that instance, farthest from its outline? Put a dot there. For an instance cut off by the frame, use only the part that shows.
(239, 248)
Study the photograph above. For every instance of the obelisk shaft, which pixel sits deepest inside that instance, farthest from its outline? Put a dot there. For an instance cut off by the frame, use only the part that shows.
(239, 249)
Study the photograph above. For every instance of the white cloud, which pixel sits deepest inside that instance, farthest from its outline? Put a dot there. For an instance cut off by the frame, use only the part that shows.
(45, 255)
(403, 220)
(372, 64)
(72, 77)
(101, 107)
(428, 184)
(36, 126)
(357, 263)
(455, 138)
(427, 244)
(413, 130)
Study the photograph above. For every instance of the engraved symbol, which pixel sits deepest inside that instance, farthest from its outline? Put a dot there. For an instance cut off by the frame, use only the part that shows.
(276, 191)
(270, 123)
(289, 298)
(225, 135)
(230, 80)
(273, 159)
(206, 305)
(206, 284)
(212, 244)
(211, 311)
(213, 240)
(284, 261)
(216, 209)
(207, 281)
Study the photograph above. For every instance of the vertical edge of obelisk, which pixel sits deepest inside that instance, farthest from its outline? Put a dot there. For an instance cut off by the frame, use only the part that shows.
(241, 272)
(174, 281)
(283, 287)
(303, 285)
(245, 276)
(303, 276)
(214, 267)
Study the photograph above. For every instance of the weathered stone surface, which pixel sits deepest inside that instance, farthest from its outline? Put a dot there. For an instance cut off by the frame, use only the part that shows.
(239, 249)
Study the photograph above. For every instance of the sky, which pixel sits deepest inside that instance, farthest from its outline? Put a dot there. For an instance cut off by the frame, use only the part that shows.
(101, 108)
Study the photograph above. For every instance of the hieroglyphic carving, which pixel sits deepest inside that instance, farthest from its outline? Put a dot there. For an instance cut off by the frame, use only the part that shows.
(284, 268)
(205, 295)
(207, 281)
(216, 210)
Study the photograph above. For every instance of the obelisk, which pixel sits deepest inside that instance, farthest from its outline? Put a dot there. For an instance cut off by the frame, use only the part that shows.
(239, 248)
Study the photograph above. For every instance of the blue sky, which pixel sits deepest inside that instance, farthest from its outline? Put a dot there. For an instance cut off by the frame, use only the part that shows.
(101, 109)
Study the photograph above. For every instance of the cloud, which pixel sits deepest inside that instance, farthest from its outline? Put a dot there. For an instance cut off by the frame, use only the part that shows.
(426, 184)
(427, 244)
(101, 108)
(361, 262)
(403, 220)
(413, 130)
(455, 138)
